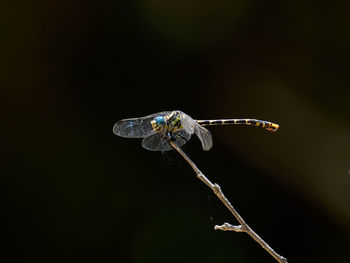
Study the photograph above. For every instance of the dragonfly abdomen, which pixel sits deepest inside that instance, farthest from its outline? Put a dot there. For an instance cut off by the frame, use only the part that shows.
(259, 123)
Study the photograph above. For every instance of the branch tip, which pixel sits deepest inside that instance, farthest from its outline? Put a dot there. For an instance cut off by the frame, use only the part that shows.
(229, 227)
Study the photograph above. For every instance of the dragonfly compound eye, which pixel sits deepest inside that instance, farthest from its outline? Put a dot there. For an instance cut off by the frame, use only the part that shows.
(160, 121)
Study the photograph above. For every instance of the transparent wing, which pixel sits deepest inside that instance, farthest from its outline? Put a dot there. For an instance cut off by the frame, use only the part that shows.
(136, 127)
(191, 126)
(157, 142)
(181, 137)
(204, 136)
(187, 122)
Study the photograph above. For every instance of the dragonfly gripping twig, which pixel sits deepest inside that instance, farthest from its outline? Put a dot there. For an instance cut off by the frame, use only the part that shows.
(168, 130)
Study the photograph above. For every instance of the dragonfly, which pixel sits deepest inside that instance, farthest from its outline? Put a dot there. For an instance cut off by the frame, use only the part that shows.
(156, 130)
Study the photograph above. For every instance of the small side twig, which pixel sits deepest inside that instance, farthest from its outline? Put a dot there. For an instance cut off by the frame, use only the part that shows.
(243, 227)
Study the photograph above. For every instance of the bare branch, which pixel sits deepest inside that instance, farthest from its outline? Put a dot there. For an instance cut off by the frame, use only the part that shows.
(243, 227)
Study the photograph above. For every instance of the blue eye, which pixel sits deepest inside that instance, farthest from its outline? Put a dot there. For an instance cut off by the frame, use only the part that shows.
(160, 120)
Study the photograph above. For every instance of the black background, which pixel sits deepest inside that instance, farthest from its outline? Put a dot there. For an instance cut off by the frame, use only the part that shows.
(73, 191)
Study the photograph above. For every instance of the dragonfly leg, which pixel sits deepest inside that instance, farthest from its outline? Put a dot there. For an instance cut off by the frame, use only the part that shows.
(170, 136)
(182, 137)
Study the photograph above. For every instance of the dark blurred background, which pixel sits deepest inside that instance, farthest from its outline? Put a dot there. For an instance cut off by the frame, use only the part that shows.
(74, 192)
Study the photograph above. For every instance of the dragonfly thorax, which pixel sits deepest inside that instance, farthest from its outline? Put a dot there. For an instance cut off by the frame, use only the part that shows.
(170, 122)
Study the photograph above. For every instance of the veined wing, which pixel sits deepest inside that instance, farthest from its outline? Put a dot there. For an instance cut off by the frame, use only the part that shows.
(158, 142)
(204, 136)
(136, 127)
(191, 126)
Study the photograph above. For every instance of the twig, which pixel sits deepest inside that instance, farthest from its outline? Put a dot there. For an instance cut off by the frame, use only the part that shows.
(243, 227)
